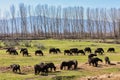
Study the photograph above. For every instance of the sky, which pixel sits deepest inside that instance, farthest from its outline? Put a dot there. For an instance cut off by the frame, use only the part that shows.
(5, 4)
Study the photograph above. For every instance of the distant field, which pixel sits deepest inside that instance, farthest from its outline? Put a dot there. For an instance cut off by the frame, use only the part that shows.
(27, 63)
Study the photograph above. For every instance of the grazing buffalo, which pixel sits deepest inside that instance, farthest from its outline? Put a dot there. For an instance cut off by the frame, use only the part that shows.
(94, 61)
(8, 49)
(67, 52)
(44, 68)
(58, 50)
(81, 51)
(88, 49)
(69, 64)
(53, 50)
(12, 51)
(15, 68)
(90, 56)
(107, 60)
(111, 50)
(99, 50)
(51, 66)
(41, 68)
(38, 52)
(74, 50)
(25, 53)
(22, 49)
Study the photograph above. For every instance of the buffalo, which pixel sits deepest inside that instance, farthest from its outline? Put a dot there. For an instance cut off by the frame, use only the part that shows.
(53, 50)
(69, 64)
(80, 51)
(41, 68)
(44, 68)
(12, 51)
(90, 56)
(74, 50)
(15, 68)
(99, 50)
(88, 49)
(38, 52)
(67, 52)
(51, 66)
(58, 50)
(22, 49)
(107, 60)
(94, 61)
(111, 50)
(25, 53)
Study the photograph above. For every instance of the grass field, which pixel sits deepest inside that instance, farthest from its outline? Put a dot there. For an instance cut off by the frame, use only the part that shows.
(27, 63)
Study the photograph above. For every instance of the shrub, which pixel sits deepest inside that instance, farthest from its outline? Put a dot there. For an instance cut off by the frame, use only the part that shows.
(40, 46)
(11, 43)
(27, 43)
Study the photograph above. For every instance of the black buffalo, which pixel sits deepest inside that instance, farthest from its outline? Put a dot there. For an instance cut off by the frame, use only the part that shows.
(25, 53)
(8, 49)
(44, 68)
(58, 50)
(94, 61)
(90, 56)
(51, 66)
(107, 60)
(74, 50)
(38, 52)
(69, 64)
(67, 52)
(111, 50)
(53, 50)
(99, 50)
(81, 52)
(12, 51)
(15, 68)
(41, 68)
(22, 49)
(88, 49)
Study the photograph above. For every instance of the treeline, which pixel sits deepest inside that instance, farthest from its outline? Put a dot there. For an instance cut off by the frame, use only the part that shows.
(45, 21)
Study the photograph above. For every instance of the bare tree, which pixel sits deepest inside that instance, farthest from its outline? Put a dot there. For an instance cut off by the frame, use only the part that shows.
(13, 20)
(23, 16)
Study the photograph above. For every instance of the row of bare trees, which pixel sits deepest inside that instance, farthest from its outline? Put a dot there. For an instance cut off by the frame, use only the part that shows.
(45, 21)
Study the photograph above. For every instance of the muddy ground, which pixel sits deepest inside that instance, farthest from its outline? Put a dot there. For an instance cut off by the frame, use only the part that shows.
(82, 66)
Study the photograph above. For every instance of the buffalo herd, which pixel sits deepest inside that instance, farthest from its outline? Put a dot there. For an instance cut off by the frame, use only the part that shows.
(44, 67)
(72, 51)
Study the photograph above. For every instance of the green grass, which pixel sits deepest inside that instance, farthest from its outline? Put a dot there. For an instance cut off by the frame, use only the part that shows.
(6, 60)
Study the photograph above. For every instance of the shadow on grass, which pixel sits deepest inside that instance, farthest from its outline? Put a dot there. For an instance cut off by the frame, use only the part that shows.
(22, 73)
(63, 78)
(79, 69)
(53, 73)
